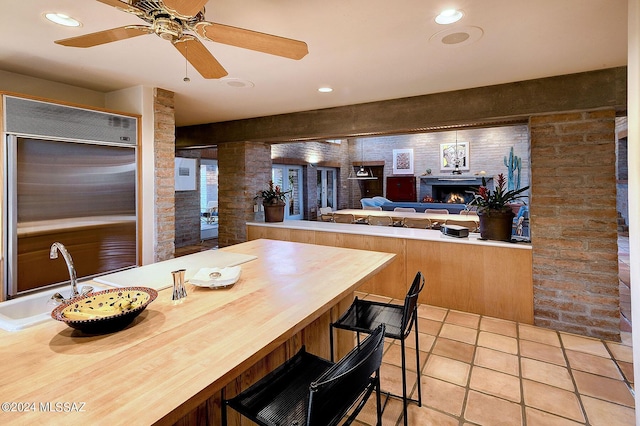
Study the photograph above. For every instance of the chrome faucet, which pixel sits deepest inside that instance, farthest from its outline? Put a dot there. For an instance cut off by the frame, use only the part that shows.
(53, 254)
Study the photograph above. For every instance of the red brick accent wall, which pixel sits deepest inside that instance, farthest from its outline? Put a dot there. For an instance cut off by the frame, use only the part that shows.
(244, 169)
(164, 148)
(573, 223)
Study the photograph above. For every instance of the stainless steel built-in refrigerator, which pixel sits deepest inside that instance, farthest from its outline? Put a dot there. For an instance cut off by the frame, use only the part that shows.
(76, 186)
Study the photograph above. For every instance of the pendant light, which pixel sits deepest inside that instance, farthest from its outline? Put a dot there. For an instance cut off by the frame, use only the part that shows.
(362, 173)
(456, 160)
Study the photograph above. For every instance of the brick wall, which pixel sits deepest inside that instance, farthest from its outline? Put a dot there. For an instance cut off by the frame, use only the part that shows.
(312, 155)
(487, 149)
(573, 223)
(187, 212)
(244, 168)
(164, 147)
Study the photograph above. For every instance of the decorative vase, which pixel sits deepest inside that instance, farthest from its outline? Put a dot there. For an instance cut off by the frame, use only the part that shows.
(273, 212)
(496, 225)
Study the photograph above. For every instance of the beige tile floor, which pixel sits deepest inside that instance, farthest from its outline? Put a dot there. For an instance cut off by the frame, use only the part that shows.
(477, 370)
(485, 371)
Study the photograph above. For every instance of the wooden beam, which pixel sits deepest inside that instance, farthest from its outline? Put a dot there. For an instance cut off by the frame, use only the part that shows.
(482, 106)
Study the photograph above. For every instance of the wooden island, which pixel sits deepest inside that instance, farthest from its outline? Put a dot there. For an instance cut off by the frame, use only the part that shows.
(169, 366)
(491, 278)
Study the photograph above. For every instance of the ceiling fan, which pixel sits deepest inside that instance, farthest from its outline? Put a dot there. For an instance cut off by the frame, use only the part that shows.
(176, 20)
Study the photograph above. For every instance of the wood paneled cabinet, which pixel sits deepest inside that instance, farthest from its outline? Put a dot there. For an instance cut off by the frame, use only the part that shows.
(477, 278)
(402, 188)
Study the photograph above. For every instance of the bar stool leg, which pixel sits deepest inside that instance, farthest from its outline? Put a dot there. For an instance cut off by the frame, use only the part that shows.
(331, 340)
(223, 408)
(404, 383)
(379, 407)
(418, 375)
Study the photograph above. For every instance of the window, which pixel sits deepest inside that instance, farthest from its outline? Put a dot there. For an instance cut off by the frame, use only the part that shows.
(208, 186)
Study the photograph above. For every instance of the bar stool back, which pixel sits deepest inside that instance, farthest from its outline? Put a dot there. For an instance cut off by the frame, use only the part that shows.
(343, 218)
(364, 316)
(380, 220)
(309, 390)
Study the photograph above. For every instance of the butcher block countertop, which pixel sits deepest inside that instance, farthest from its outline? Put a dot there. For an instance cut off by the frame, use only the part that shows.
(176, 354)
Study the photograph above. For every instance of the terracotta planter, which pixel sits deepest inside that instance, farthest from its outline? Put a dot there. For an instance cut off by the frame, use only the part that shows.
(496, 225)
(273, 212)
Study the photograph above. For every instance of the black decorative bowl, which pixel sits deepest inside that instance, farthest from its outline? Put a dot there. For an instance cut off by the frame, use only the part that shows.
(105, 311)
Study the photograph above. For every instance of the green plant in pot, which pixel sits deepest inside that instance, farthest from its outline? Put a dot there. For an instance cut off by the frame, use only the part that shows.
(274, 199)
(494, 210)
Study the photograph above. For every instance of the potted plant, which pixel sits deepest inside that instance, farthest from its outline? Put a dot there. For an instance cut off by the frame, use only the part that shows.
(274, 200)
(494, 210)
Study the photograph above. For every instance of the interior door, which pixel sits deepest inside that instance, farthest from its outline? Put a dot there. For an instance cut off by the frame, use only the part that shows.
(374, 187)
(289, 178)
(326, 187)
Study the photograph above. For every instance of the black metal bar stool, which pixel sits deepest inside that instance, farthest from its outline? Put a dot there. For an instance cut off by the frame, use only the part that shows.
(364, 316)
(309, 390)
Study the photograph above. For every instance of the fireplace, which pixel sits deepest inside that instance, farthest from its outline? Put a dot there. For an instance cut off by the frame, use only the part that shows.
(448, 189)
(453, 193)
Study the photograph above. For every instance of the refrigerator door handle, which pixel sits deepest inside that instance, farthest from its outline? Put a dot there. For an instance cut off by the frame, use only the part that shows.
(11, 216)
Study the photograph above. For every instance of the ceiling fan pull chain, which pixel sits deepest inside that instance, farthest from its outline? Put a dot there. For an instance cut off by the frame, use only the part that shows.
(186, 78)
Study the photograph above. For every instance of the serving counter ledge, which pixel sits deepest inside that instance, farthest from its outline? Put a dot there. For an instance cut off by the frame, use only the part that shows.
(169, 365)
(485, 277)
(387, 231)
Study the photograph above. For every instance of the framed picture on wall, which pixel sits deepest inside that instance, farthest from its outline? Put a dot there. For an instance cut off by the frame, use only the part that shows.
(403, 161)
(185, 174)
(452, 152)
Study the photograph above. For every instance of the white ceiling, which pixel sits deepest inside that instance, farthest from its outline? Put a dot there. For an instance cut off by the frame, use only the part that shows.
(367, 50)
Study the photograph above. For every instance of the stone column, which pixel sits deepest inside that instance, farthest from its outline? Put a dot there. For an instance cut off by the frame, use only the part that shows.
(164, 149)
(244, 169)
(573, 223)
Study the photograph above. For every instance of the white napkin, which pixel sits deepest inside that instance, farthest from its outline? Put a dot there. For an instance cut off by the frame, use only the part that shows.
(226, 276)
(202, 276)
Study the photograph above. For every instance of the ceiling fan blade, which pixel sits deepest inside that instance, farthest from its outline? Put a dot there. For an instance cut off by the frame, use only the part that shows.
(122, 6)
(198, 56)
(107, 36)
(184, 8)
(252, 40)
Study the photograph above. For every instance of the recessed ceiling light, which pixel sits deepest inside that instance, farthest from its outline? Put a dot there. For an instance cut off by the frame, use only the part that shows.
(325, 90)
(457, 36)
(62, 19)
(237, 83)
(449, 16)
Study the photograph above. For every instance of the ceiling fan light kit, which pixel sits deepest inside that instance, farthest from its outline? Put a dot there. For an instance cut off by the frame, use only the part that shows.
(181, 22)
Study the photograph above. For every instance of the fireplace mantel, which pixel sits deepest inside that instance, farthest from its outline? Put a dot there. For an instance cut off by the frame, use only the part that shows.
(455, 179)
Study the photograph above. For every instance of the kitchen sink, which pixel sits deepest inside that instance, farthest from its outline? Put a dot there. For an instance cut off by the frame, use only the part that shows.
(26, 311)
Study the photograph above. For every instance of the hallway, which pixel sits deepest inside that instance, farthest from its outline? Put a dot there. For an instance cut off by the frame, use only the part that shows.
(625, 283)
